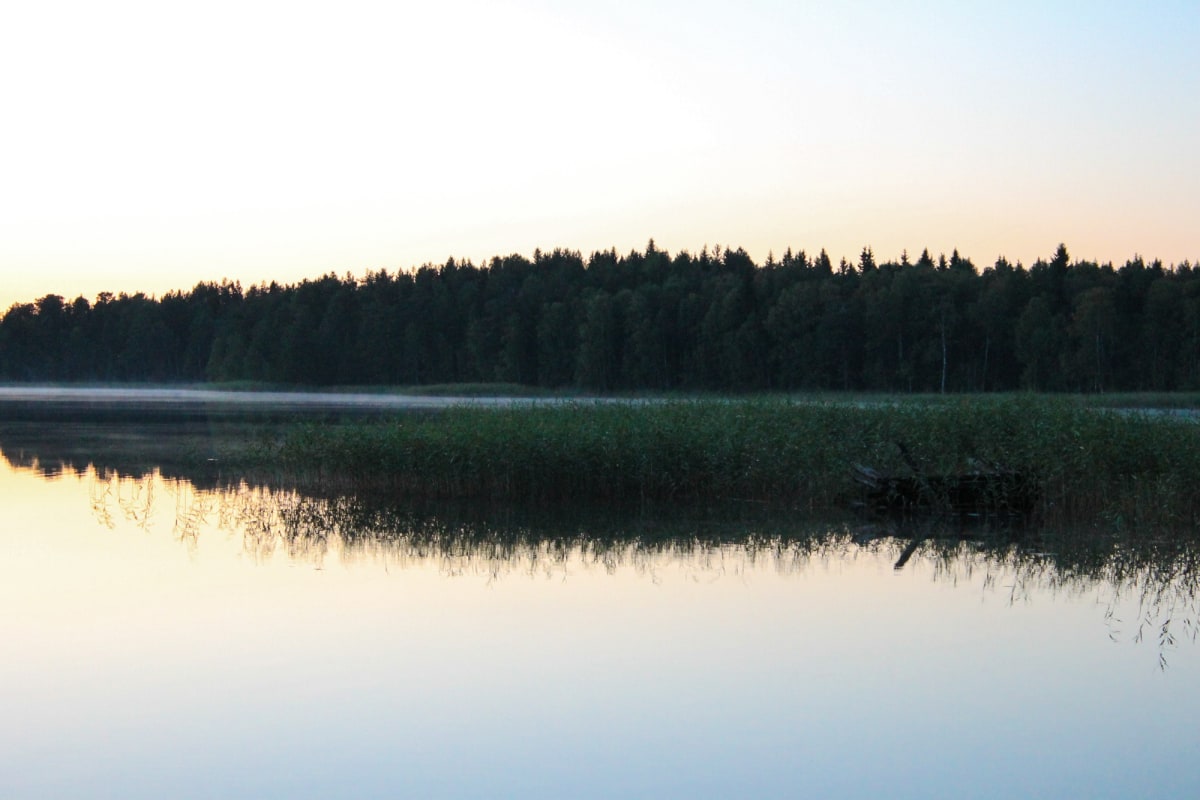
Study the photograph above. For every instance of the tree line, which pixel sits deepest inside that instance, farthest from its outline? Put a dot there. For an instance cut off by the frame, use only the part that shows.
(646, 321)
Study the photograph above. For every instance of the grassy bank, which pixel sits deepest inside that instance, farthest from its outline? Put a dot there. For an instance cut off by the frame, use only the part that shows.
(1086, 464)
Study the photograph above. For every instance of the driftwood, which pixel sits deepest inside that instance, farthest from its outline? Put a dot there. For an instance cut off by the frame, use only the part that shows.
(985, 489)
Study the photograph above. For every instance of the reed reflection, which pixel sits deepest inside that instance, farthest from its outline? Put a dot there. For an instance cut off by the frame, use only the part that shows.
(1158, 577)
(1147, 582)
(496, 542)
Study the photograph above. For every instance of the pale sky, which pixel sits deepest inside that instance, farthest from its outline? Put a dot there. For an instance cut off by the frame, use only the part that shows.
(147, 146)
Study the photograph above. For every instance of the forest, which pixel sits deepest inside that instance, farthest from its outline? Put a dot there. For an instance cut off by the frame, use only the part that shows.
(645, 321)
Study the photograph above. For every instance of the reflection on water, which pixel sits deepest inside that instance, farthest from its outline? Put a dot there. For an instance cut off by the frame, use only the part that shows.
(180, 632)
(1158, 578)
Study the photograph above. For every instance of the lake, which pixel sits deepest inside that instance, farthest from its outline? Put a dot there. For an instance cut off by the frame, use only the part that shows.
(175, 631)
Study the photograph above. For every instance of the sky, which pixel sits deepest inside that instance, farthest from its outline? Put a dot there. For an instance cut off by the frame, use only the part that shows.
(148, 146)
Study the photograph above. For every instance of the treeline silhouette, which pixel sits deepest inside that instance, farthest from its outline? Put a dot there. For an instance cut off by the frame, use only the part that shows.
(646, 321)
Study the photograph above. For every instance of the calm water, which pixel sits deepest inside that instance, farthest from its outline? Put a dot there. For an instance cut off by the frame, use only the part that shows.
(162, 639)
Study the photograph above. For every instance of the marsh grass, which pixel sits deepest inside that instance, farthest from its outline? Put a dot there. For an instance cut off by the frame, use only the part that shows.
(1122, 469)
(1159, 400)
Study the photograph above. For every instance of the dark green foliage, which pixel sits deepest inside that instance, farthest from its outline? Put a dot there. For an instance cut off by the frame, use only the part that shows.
(646, 321)
(1083, 464)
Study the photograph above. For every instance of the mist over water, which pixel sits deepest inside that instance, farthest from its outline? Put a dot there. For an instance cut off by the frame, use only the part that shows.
(176, 398)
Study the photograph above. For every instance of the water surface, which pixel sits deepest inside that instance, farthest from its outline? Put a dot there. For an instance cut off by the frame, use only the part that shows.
(209, 638)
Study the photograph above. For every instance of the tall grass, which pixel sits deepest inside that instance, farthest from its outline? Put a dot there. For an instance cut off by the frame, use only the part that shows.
(1086, 464)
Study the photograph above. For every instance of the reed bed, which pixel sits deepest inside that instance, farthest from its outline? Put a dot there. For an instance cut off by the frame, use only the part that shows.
(1085, 464)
